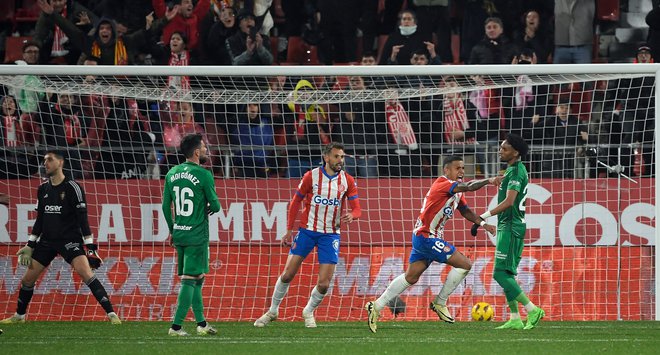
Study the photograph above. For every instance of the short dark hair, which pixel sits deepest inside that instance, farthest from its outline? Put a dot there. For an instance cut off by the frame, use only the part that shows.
(189, 143)
(330, 146)
(57, 153)
(367, 54)
(450, 159)
(518, 143)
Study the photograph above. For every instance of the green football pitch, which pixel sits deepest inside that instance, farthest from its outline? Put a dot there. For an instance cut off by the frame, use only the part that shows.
(332, 338)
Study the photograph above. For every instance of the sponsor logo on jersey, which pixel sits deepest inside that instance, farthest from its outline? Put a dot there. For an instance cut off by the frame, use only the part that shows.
(320, 200)
(182, 228)
(448, 211)
(52, 209)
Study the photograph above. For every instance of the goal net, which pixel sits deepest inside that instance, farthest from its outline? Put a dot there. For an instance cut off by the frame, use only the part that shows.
(591, 208)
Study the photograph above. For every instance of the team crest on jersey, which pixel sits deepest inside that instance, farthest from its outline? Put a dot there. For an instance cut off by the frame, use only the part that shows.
(446, 249)
(341, 188)
(448, 211)
(335, 244)
(62, 195)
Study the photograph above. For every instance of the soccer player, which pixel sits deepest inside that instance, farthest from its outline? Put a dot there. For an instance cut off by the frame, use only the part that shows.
(511, 226)
(61, 228)
(324, 191)
(192, 190)
(429, 244)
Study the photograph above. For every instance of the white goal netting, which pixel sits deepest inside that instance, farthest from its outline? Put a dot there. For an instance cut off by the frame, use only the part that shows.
(590, 245)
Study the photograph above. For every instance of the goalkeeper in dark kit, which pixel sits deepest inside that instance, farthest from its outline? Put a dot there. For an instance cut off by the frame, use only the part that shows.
(61, 228)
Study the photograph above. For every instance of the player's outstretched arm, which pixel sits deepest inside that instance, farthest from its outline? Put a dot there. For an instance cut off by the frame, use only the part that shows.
(475, 185)
(508, 202)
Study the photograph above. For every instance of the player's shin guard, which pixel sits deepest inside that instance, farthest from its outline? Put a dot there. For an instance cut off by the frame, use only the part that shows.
(100, 294)
(24, 297)
(184, 301)
(396, 287)
(454, 278)
(198, 303)
(281, 288)
(314, 300)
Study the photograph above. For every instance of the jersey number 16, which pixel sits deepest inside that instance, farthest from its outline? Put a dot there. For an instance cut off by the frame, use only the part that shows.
(183, 205)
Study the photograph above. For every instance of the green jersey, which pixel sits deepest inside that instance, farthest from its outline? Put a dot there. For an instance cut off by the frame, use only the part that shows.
(515, 178)
(192, 190)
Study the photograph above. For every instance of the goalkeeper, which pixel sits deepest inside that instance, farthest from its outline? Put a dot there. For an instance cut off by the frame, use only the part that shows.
(61, 228)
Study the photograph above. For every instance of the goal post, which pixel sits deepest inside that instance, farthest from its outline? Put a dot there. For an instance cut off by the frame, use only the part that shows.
(592, 209)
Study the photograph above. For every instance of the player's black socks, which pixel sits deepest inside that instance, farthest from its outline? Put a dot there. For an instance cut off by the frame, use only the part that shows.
(202, 324)
(176, 326)
(24, 297)
(100, 294)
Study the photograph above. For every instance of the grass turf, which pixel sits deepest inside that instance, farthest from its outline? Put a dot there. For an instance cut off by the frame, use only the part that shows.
(332, 338)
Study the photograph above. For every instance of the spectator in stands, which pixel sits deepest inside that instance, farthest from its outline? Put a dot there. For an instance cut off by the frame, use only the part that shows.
(604, 127)
(175, 54)
(104, 45)
(637, 99)
(128, 135)
(404, 41)
(129, 15)
(218, 25)
(527, 108)
(252, 130)
(564, 131)
(186, 21)
(247, 46)
(574, 31)
(495, 48)
(421, 56)
(64, 126)
(534, 37)
(433, 17)
(16, 132)
(368, 58)
(308, 128)
(28, 98)
(474, 15)
(57, 47)
(338, 25)
(368, 24)
(177, 120)
(359, 131)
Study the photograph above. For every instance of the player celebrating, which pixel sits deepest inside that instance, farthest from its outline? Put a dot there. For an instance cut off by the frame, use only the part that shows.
(192, 190)
(324, 190)
(511, 232)
(61, 228)
(429, 245)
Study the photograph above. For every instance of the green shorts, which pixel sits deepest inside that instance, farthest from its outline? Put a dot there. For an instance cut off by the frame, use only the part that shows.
(510, 243)
(192, 260)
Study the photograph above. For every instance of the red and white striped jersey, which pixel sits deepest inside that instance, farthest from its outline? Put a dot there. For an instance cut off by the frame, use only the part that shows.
(438, 207)
(324, 197)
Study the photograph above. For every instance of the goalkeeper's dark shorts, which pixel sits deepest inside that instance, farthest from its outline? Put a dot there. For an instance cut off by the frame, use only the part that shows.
(192, 260)
(47, 250)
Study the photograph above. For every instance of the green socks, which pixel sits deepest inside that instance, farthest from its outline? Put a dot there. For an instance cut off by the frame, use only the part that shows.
(186, 295)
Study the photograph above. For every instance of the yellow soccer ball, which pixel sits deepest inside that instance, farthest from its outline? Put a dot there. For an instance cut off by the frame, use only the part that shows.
(482, 312)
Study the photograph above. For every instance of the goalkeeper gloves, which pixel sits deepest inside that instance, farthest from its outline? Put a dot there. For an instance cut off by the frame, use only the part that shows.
(93, 257)
(25, 255)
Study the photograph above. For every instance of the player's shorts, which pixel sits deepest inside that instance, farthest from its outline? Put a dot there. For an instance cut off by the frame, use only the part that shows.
(510, 243)
(430, 250)
(192, 260)
(47, 250)
(327, 245)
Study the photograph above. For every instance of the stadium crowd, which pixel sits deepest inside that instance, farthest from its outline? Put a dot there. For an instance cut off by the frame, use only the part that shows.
(572, 125)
